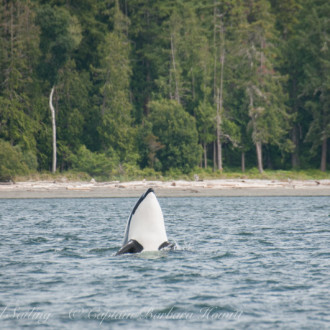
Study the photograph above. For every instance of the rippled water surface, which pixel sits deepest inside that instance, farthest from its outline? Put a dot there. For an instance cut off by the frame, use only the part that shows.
(244, 262)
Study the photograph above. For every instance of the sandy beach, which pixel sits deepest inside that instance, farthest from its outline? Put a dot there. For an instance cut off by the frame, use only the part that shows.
(207, 188)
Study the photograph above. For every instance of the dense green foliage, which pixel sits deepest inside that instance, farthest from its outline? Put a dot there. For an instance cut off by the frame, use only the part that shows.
(177, 134)
(164, 85)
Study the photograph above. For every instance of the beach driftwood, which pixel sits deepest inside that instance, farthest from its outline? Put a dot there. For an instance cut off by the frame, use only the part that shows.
(178, 188)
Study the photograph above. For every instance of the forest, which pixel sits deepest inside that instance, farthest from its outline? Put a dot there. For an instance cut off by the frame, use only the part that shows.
(112, 86)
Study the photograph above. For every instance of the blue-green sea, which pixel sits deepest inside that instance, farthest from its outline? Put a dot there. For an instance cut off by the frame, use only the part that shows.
(240, 263)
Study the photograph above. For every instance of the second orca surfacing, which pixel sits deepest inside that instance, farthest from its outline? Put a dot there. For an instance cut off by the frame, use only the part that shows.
(145, 230)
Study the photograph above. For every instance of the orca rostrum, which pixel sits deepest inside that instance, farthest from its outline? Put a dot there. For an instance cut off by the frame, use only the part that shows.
(145, 230)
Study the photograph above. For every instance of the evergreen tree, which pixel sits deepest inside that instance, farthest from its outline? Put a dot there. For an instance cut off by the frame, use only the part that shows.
(72, 99)
(314, 43)
(114, 74)
(19, 54)
(286, 13)
(269, 118)
(60, 35)
(149, 60)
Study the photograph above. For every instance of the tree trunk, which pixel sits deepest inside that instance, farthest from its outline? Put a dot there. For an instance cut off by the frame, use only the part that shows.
(324, 154)
(177, 94)
(53, 128)
(295, 154)
(254, 133)
(243, 161)
(215, 53)
(219, 151)
(258, 143)
(259, 156)
(219, 91)
(218, 140)
(205, 155)
(219, 114)
(216, 145)
(295, 134)
(147, 97)
(214, 156)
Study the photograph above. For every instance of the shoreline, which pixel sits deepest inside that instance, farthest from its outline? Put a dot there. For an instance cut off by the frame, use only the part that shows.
(176, 188)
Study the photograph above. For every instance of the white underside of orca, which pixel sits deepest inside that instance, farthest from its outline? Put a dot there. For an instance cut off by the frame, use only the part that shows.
(145, 227)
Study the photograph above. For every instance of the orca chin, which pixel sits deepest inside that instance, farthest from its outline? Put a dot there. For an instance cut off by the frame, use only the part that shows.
(145, 229)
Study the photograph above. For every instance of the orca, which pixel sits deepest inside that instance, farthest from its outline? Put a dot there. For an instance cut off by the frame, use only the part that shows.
(145, 229)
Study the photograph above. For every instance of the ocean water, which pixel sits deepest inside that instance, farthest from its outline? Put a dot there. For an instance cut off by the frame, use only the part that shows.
(240, 263)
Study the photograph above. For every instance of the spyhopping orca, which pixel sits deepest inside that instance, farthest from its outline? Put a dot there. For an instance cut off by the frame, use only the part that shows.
(145, 230)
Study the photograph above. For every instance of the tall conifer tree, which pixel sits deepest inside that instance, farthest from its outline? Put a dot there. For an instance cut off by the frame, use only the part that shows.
(114, 75)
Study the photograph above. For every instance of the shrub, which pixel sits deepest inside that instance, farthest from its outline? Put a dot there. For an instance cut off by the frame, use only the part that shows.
(11, 161)
(95, 164)
(176, 132)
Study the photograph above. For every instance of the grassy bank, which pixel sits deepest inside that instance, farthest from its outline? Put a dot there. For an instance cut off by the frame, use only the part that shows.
(133, 174)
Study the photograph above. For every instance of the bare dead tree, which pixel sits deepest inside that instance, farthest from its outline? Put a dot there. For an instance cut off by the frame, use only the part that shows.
(53, 128)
